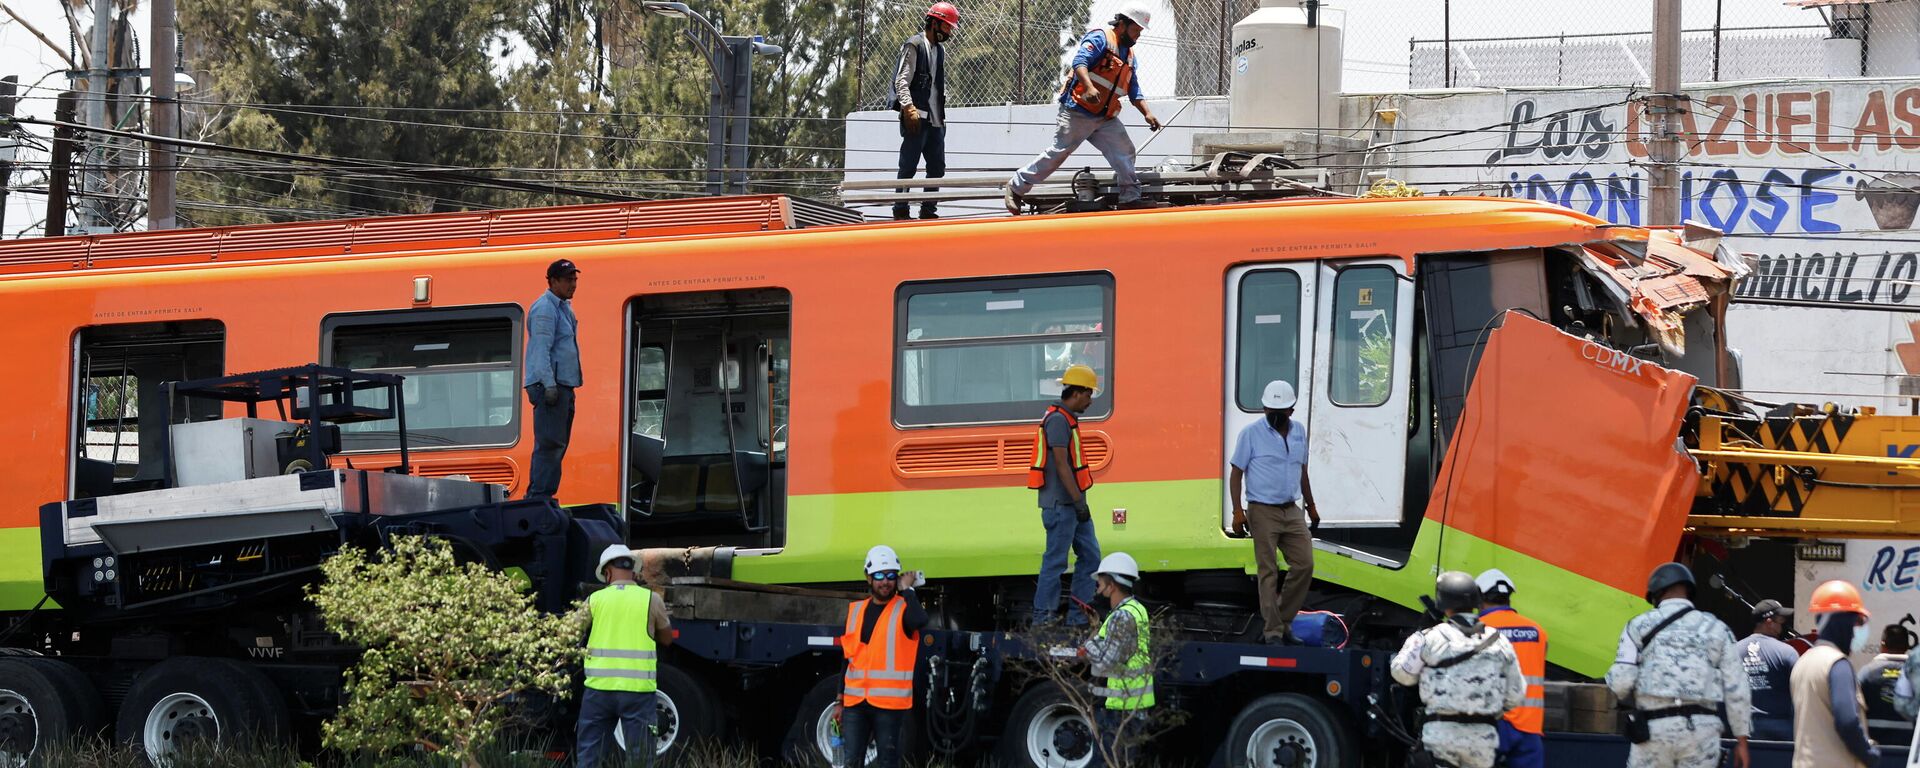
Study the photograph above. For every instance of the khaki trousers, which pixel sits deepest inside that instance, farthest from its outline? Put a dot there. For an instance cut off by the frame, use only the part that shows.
(1283, 529)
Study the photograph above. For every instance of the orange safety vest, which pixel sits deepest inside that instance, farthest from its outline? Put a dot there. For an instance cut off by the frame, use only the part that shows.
(879, 673)
(1112, 78)
(1037, 475)
(1530, 644)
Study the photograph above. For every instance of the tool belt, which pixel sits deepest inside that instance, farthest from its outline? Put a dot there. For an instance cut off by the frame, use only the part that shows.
(1639, 721)
(1458, 718)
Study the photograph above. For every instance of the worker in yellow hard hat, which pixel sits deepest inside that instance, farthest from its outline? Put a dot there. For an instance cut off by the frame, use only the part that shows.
(1829, 717)
(1060, 474)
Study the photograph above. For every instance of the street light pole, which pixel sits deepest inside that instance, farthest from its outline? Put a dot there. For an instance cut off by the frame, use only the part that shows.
(730, 94)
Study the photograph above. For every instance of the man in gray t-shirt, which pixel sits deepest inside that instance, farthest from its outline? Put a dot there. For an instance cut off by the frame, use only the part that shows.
(1061, 476)
(1769, 663)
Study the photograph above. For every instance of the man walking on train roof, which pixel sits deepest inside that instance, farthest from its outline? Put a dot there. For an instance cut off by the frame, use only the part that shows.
(920, 94)
(553, 372)
(1103, 72)
(1060, 474)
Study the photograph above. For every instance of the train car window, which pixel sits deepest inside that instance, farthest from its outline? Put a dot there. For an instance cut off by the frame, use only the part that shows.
(462, 369)
(650, 390)
(1364, 314)
(1269, 337)
(118, 396)
(986, 351)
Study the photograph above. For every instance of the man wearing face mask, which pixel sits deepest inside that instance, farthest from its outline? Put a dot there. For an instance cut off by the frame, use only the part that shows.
(1269, 486)
(920, 94)
(1102, 75)
(1829, 715)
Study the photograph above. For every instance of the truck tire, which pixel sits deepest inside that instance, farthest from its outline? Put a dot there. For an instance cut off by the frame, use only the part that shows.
(44, 701)
(1044, 731)
(191, 698)
(1287, 730)
(689, 715)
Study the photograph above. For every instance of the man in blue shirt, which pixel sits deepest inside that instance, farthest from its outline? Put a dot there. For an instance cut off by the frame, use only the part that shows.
(1769, 663)
(1089, 111)
(1270, 473)
(553, 371)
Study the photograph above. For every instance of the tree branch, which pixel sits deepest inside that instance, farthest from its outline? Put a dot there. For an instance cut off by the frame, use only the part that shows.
(37, 33)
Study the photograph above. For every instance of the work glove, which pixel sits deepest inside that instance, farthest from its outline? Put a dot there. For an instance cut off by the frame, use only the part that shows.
(910, 120)
(552, 396)
(1081, 511)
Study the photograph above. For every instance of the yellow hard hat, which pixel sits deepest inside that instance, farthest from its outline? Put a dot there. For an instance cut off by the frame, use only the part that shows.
(1080, 376)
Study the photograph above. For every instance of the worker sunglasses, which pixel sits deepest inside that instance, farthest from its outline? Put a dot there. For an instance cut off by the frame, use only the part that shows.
(885, 576)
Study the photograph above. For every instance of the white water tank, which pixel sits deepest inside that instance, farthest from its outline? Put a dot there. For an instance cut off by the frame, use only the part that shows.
(1286, 67)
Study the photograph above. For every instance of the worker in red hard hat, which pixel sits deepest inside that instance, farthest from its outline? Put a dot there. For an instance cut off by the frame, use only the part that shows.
(1829, 716)
(920, 95)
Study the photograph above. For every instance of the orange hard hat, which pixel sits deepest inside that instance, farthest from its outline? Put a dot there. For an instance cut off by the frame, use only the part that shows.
(1837, 597)
(945, 12)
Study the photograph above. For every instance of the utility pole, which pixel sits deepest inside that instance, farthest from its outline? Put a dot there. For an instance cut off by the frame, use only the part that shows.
(93, 176)
(9, 98)
(166, 113)
(60, 170)
(1663, 112)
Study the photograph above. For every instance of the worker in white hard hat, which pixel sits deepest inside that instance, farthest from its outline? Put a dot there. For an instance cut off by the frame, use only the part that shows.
(1060, 473)
(881, 644)
(1103, 73)
(1273, 501)
(1521, 728)
(628, 626)
(1120, 654)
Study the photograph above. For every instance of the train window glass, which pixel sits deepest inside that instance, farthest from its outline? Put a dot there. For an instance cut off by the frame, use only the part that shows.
(1269, 334)
(462, 374)
(650, 390)
(1363, 321)
(779, 375)
(982, 351)
(118, 398)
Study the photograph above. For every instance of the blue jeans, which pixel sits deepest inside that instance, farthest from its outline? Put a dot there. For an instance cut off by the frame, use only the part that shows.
(1119, 733)
(1108, 135)
(552, 429)
(1520, 750)
(863, 724)
(1065, 531)
(599, 711)
(930, 143)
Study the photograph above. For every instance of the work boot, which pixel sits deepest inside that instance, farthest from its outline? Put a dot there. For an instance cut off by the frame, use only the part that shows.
(1013, 200)
(902, 214)
(927, 213)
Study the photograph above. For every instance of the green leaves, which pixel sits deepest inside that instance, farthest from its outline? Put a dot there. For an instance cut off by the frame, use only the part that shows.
(448, 648)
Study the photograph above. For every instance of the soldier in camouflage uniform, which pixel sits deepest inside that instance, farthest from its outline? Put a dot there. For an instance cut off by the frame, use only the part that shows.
(1468, 676)
(1680, 680)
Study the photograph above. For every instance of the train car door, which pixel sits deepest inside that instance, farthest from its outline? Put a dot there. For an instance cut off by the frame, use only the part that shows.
(1270, 321)
(1362, 360)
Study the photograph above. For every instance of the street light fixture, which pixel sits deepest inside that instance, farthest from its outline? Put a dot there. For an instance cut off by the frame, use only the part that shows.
(730, 59)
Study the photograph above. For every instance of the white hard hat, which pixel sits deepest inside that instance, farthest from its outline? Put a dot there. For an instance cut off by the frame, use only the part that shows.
(881, 558)
(1493, 580)
(1138, 14)
(1279, 396)
(1121, 567)
(611, 553)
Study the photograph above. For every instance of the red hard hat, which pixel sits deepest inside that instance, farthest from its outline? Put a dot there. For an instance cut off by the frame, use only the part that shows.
(945, 12)
(1837, 597)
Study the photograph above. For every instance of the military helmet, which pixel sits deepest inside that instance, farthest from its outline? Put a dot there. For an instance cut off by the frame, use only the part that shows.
(1455, 591)
(1667, 575)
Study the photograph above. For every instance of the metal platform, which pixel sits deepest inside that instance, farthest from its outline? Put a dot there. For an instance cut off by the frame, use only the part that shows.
(1229, 176)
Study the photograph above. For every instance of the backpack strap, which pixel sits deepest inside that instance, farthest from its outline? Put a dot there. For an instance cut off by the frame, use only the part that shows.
(1491, 638)
(1648, 640)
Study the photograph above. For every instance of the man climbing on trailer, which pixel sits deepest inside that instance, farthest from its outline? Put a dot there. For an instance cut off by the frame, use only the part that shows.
(1270, 467)
(1467, 673)
(1676, 666)
(1120, 654)
(1829, 717)
(1103, 72)
(629, 626)
(1522, 727)
(920, 94)
(1060, 474)
(1769, 661)
(881, 644)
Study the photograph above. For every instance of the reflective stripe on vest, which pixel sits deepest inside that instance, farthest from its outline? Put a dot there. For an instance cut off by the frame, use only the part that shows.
(1037, 474)
(880, 674)
(621, 654)
(1132, 688)
(1111, 77)
(1530, 645)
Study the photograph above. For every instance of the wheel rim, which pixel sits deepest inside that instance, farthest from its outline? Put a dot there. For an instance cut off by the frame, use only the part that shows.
(19, 729)
(1059, 736)
(666, 725)
(1281, 744)
(176, 720)
(823, 736)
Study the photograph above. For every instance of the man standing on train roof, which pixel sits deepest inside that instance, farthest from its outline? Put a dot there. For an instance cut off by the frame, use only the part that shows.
(1060, 474)
(553, 372)
(920, 93)
(1103, 71)
(1270, 465)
